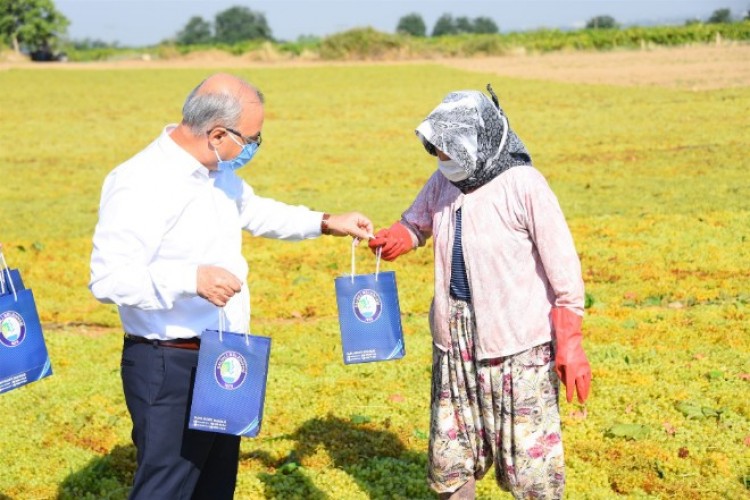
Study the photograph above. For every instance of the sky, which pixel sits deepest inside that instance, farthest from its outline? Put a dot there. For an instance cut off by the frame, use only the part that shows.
(148, 22)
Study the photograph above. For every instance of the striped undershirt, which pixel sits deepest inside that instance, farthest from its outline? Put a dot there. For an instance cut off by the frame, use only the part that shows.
(459, 287)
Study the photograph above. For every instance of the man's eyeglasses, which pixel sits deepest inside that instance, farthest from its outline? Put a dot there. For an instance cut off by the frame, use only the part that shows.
(247, 139)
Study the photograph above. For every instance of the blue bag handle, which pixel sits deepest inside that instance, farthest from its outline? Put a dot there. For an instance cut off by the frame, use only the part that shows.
(377, 259)
(6, 272)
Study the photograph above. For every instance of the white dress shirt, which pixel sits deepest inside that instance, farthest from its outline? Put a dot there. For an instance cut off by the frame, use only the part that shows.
(163, 214)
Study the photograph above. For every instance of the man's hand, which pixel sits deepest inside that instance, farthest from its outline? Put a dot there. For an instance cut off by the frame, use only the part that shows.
(217, 285)
(396, 241)
(350, 224)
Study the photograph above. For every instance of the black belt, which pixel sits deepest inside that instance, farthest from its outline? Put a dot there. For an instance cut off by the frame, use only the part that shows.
(192, 344)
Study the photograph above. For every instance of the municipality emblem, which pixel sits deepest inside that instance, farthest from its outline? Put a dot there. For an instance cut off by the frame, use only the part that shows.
(12, 329)
(231, 370)
(367, 305)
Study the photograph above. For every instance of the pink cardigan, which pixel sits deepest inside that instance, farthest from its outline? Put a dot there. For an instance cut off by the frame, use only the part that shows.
(519, 254)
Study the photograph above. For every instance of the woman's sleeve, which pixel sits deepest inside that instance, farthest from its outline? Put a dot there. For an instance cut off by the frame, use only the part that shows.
(418, 217)
(550, 233)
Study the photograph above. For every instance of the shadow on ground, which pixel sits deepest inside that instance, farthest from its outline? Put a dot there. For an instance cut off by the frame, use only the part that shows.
(376, 460)
(108, 477)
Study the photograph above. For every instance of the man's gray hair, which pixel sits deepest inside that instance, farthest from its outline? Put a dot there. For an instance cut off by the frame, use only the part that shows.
(203, 111)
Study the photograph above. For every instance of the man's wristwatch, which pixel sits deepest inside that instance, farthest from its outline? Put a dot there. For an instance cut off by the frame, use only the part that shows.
(324, 229)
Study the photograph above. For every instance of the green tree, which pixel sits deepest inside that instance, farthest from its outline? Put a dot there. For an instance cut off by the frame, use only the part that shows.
(601, 22)
(721, 16)
(463, 25)
(237, 24)
(89, 44)
(197, 30)
(35, 24)
(445, 25)
(412, 24)
(485, 25)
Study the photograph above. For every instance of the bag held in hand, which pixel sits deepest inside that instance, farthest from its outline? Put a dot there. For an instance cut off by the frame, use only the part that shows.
(23, 353)
(230, 382)
(369, 316)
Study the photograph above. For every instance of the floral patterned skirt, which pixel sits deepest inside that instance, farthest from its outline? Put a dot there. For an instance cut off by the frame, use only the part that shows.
(502, 410)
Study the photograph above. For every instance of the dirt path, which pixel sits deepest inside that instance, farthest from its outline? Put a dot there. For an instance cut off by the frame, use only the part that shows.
(692, 68)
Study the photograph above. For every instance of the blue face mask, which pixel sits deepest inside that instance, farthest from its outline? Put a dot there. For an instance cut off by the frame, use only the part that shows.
(239, 161)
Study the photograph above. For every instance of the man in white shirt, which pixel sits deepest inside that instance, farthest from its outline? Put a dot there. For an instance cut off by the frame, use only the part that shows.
(167, 252)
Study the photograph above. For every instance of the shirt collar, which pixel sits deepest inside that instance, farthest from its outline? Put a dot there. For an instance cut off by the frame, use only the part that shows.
(181, 159)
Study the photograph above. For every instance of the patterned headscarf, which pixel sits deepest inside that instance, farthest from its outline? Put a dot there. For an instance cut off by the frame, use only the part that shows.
(473, 131)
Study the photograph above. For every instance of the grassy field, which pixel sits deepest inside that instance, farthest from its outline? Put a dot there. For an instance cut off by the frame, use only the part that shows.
(654, 183)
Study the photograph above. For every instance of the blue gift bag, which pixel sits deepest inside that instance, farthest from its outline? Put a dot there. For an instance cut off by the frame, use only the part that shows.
(369, 316)
(23, 353)
(230, 383)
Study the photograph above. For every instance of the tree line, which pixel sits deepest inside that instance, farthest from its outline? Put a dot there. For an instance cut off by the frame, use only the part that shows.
(37, 26)
(242, 23)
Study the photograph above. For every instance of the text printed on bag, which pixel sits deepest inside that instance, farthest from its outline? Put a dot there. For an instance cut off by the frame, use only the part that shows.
(13, 382)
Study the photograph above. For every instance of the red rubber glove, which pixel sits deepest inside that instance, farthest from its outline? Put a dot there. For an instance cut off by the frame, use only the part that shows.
(571, 364)
(396, 241)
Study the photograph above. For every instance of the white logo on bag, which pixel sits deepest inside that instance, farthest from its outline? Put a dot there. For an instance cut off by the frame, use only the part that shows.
(12, 329)
(231, 370)
(367, 305)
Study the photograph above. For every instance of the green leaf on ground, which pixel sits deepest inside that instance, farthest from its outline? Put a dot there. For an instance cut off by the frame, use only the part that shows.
(420, 434)
(360, 419)
(627, 431)
(694, 411)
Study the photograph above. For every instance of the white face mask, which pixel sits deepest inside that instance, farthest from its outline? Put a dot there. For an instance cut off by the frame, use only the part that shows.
(452, 170)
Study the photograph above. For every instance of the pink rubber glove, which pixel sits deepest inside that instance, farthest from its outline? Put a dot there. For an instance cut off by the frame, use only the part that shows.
(396, 241)
(571, 364)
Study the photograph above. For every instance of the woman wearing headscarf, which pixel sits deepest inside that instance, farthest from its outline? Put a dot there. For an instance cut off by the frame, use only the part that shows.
(507, 308)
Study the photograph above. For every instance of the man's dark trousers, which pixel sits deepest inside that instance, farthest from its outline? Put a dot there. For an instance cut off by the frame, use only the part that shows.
(174, 462)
